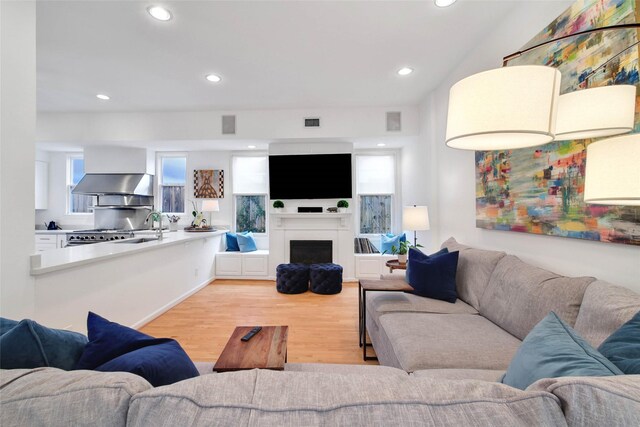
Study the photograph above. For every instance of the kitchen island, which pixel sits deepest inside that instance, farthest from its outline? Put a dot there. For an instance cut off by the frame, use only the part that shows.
(127, 282)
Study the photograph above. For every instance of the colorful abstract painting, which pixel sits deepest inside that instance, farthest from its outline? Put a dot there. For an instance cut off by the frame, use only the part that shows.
(540, 190)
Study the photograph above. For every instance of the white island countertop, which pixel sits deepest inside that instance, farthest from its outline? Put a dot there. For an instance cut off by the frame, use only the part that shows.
(74, 256)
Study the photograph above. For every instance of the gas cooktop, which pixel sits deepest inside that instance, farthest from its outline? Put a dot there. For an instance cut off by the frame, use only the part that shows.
(82, 237)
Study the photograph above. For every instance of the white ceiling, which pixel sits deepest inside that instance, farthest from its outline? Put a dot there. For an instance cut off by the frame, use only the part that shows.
(269, 54)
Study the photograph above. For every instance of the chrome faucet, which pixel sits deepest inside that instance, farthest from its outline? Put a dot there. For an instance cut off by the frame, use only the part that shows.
(152, 214)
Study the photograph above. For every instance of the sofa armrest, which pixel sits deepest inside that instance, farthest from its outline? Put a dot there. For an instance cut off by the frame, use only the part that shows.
(596, 401)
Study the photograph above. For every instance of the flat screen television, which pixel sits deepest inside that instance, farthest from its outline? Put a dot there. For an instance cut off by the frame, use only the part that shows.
(312, 176)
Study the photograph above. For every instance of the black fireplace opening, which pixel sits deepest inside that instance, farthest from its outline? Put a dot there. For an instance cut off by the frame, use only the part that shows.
(311, 251)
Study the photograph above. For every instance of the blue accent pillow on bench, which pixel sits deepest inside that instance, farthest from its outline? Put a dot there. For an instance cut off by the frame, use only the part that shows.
(232, 241)
(553, 349)
(247, 243)
(388, 241)
(623, 346)
(116, 348)
(433, 276)
(28, 344)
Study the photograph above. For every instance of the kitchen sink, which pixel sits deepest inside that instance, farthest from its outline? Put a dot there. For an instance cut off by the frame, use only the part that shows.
(139, 240)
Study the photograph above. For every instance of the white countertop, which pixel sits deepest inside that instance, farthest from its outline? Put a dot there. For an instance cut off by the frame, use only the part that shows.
(73, 256)
(53, 231)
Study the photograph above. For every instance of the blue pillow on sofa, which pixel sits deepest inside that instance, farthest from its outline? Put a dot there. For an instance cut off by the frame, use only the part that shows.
(27, 345)
(623, 346)
(387, 241)
(433, 276)
(113, 347)
(553, 349)
(232, 241)
(247, 243)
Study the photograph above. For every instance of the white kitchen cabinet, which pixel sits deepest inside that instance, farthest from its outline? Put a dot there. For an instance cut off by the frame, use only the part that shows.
(46, 242)
(42, 185)
(250, 265)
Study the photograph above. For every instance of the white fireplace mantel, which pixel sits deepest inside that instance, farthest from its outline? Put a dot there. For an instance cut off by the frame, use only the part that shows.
(337, 227)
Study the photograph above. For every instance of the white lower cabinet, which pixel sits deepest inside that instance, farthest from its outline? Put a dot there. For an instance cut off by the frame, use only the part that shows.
(239, 265)
(47, 242)
(371, 266)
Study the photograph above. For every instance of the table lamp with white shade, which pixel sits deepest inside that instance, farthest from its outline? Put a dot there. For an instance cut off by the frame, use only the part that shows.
(210, 205)
(415, 218)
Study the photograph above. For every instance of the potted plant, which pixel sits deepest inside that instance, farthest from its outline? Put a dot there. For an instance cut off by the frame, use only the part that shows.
(173, 222)
(342, 206)
(198, 220)
(278, 205)
(402, 250)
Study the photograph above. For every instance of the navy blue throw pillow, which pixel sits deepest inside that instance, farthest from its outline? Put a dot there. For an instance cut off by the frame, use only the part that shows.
(623, 346)
(27, 345)
(433, 276)
(113, 347)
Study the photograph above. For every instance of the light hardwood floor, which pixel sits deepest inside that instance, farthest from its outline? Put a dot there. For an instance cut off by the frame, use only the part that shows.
(322, 328)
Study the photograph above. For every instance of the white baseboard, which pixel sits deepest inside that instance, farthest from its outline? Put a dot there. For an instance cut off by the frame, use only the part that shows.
(139, 324)
(245, 277)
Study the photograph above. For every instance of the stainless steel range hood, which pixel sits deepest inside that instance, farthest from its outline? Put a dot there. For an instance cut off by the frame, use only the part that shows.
(97, 184)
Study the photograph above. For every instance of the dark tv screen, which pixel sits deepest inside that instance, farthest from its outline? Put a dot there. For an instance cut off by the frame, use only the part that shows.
(314, 176)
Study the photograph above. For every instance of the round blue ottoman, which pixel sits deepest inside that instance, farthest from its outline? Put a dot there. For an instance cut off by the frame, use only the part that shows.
(292, 278)
(326, 279)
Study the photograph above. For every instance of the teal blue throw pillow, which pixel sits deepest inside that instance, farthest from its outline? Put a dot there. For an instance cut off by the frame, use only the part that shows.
(27, 345)
(623, 346)
(247, 243)
(232, 241)
(553, 349)
(388, 241)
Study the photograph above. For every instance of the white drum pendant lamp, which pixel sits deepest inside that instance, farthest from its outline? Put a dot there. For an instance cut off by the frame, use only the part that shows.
(613, 171)
(503, 109)
(596, 112)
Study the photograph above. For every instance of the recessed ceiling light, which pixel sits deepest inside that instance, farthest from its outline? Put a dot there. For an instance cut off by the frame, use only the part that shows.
(405, 71)
(103, 97)
(444, 3)
(160, 13)
(213, 78)
(251, 146)
(382, 144)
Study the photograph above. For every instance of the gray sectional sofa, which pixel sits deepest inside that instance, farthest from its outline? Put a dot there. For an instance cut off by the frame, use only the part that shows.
(442, 360)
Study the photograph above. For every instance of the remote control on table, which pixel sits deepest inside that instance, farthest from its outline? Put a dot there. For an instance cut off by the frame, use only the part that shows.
(251, 333)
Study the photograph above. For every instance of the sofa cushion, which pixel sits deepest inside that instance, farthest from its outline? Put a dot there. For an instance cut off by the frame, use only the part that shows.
(53, 397)
(27, 344)
(269, 398)
(623, 346)
(379, 303)
(433, 276)
(520, 295)
(553, 349)
(334, 368)
(491, 375)
(434, 341)
(474, 270)
(596, 401)
(605, 307)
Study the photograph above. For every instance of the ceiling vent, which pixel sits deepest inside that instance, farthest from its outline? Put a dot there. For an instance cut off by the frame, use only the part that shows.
(312, 122)
(228, 125)
(394, 121)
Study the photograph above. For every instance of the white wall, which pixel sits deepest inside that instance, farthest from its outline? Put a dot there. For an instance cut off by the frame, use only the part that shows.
(17, 156)
(96, 128)
(101, 159)
(455, 173)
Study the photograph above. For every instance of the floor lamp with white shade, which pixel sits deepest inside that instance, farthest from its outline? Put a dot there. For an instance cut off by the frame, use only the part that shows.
(415, 218)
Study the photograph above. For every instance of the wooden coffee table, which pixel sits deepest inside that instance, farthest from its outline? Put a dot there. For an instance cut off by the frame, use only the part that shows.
(266, 350)
(379, 286)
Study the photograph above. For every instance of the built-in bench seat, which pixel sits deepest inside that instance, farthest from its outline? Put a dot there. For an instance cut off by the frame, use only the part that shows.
(246, 265)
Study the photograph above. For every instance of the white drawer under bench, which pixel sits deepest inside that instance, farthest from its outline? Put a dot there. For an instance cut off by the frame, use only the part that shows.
(242, 265)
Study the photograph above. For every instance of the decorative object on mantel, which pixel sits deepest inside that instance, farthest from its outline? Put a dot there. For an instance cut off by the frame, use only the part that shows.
(173, 222)
(544, 190)
(342, 206)
(208, 184)
(278, 205)
(332, 210)
(415, 218)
